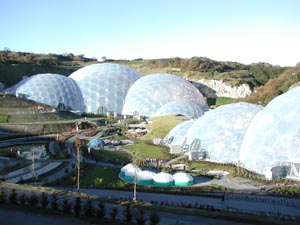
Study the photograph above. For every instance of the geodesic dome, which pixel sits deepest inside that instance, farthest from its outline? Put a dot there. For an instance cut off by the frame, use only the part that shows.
(221, 131)
(183, 179)
(96, 143)
(163, 179)
(273, 135)
(105, 85)
(178, 107)
(50, 89)
(177, 134)
(148, 94)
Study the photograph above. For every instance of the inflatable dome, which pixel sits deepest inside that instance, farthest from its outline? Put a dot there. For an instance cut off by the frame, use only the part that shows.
(50, 89)
(163, 179)
(183, 179)
(145, 177)
(148, 94)
(273, 135)
(221, 131)
(125, 168)
(183, 108)
(130, 173)
(104, 85)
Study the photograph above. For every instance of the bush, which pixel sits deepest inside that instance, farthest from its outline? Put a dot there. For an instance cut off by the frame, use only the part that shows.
(89, 211)
(77, 206)
(12, 196)
(113, 212)
(66, 206)
(140, 217)
(154, 218)
(22, 198)
(33, 200)
(2, 196)
(54, 203)
(44, 200)
(101, 211)
(128, 214)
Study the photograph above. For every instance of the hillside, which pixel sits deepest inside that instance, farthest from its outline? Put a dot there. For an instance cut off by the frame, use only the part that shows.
(265, 79)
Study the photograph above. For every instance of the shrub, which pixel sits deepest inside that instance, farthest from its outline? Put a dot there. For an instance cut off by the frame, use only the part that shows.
(44, 200)
(22, 198)
(54, 203)
(2, 196)
(12, 196)
(140, 217)
(89, 211)
(154, 218)
(128, 214)
(113, 212)
(77, 206)
(66, 206)
(33, 200)
(101, 211)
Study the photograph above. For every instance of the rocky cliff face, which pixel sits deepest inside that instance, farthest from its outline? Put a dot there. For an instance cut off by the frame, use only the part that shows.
(225, 90)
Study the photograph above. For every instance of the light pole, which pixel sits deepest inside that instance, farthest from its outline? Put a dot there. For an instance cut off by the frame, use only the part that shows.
(77, 144)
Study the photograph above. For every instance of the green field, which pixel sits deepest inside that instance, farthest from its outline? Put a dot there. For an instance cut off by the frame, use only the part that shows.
(113, 156)
(148, 151)
(100, 175)
(160, 126)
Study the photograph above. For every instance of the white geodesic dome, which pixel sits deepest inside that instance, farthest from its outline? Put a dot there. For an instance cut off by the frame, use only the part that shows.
(105, 85)
(177, 134)
(222, 130)
(50, 89)
(273, 135)
(189, 109)
(148, 94)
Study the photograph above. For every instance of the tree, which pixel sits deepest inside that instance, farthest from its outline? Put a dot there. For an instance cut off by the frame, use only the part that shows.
(154, 218)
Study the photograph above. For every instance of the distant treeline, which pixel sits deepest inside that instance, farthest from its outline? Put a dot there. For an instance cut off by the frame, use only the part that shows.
(67, 59)
(211, 69)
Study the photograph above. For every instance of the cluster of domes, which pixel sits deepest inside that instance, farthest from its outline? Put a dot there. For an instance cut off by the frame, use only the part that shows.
(254, 137)
(108, 87)
(130, 172)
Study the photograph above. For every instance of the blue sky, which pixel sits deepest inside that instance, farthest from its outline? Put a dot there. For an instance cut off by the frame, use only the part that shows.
(245, 31)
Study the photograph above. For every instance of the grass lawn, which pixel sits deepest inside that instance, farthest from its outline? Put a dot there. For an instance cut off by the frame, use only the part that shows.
(106, 155)
(148, 151)
(105, 175)
(160, 126)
